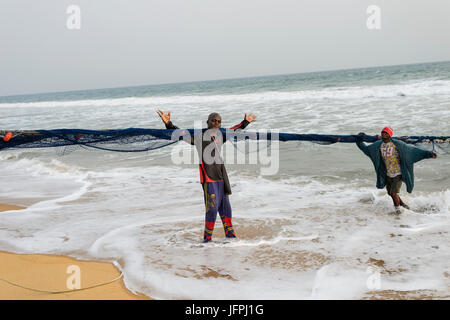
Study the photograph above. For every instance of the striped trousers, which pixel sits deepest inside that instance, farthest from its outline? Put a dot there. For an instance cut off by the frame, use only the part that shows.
(216, 201)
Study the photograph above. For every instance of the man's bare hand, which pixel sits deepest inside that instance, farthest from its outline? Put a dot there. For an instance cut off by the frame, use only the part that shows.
(250, 118)
(433, 155)
(164, 117)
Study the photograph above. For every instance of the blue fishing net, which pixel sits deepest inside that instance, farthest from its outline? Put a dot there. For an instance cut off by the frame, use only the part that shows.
(139, 139)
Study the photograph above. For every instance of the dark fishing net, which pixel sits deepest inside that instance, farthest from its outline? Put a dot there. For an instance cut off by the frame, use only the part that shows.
(139, 140)
(69, 140)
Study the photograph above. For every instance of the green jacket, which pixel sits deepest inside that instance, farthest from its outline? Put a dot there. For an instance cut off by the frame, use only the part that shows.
(408, 156)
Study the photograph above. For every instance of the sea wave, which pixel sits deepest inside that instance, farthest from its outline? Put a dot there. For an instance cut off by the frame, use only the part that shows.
(424, 87)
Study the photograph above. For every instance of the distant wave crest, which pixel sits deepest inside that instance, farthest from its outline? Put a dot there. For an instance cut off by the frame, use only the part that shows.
(426, 87)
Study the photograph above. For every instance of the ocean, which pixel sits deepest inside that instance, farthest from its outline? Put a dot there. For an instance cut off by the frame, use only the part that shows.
(317, 228)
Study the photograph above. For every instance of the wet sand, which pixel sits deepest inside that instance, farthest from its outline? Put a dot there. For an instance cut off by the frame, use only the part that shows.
(32, 273)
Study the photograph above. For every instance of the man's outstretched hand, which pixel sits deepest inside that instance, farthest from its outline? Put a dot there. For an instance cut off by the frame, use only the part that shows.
(164, 117)
(359, 137)
(433, 155)
(250, 118)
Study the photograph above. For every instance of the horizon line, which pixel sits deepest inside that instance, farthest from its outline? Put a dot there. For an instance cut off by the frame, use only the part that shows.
(222, 79)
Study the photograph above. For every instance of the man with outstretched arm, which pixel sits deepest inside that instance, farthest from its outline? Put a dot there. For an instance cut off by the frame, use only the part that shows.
(393, 160)
(213, 175)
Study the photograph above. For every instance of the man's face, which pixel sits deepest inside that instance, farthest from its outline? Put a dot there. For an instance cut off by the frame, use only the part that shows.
(215, 122)
(385, 136)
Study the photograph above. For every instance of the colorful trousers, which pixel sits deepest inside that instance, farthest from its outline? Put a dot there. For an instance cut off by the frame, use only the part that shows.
(216, 201)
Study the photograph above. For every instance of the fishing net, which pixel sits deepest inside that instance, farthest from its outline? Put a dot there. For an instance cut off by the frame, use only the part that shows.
(139, 140)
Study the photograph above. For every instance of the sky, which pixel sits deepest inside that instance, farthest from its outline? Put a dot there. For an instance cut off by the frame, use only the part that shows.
(142, 42)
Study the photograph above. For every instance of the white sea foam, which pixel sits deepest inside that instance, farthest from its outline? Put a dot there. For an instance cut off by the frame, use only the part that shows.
(290, 233)
(309, 232)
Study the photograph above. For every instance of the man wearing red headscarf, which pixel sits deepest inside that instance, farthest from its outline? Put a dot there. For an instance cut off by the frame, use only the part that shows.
(393, 160)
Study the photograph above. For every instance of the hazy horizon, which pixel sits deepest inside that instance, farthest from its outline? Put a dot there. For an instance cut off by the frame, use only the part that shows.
(212, 80)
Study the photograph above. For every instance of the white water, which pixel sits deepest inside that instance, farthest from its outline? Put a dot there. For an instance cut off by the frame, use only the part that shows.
(309, 232)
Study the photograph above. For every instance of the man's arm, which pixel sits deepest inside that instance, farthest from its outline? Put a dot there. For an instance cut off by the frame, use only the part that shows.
(244, 123)
(361, 145)
(166, 119)
(415, 153)
(169, 125)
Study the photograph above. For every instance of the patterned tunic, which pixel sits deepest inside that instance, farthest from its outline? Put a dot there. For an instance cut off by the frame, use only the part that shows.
(391, 159)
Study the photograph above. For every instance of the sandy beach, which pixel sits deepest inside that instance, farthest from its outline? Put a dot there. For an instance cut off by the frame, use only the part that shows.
(57, 273)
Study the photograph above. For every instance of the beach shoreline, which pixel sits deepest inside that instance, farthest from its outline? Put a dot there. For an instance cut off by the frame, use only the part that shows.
(26, 276)
(38, 276)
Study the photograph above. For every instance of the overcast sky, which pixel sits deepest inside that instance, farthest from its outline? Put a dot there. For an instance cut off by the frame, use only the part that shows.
(141, 42)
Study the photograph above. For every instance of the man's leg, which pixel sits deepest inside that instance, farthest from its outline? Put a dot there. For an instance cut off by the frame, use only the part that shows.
(404, 205)
(393, 187)
(225, 216)
(395, 198)
(211, 206)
